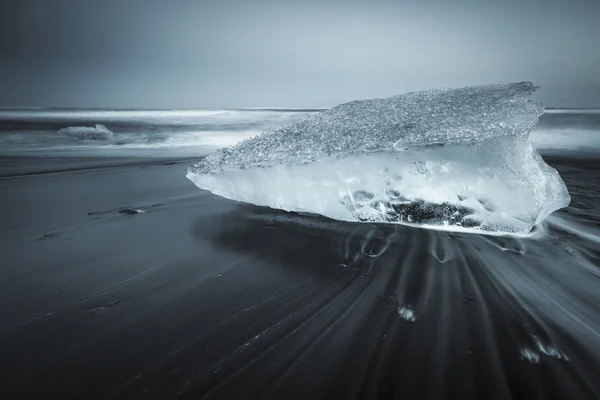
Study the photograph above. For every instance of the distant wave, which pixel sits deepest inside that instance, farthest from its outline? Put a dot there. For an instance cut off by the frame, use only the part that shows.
(566, 139)
(572, 111)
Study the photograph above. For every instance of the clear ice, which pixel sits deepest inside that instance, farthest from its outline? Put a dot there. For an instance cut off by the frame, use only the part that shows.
(460, 159)
(98, 132)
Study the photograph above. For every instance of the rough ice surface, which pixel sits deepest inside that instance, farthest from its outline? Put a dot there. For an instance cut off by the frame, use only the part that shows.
(98, 132)
(454, 158)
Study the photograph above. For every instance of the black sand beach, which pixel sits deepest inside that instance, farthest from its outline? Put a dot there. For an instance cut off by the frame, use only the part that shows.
(431, 251)
(123, 280)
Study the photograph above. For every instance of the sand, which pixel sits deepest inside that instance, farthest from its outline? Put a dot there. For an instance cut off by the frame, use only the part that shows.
(121, 279)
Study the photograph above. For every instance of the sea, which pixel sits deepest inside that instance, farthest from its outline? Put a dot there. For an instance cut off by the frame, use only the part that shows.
(135, 132)
(195, 132)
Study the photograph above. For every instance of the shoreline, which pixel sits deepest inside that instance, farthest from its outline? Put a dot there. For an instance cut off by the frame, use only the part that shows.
(20, 166)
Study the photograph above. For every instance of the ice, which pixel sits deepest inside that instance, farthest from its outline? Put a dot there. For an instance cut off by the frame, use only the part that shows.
(460, 159)
(99, 132)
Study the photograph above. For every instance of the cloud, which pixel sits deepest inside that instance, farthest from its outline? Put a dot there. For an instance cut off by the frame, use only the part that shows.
(282, 53)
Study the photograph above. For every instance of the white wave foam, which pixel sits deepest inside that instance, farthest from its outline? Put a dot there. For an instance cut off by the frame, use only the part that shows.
(561, 139)
(214, 139)
(572, 111)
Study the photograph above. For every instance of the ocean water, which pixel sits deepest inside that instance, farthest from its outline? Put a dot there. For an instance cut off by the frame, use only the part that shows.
(148, 132)
(196, 132)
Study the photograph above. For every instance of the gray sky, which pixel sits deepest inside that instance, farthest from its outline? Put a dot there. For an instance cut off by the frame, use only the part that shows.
(309, 53)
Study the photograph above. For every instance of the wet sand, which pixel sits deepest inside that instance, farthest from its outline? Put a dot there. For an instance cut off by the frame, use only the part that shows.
(126, 281)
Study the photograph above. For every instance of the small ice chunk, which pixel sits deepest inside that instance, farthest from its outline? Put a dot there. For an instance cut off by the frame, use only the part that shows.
(529, 355)
(454, 158)
(98, 132)
(407, 314)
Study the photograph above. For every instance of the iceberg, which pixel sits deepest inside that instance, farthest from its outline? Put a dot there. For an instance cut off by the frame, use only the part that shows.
(99, 132)
(458, 159)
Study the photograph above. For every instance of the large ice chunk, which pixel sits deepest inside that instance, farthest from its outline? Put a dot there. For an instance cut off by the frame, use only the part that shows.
(459, 158)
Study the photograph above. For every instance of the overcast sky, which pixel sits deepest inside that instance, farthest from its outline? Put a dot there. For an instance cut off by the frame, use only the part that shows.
(278, 53)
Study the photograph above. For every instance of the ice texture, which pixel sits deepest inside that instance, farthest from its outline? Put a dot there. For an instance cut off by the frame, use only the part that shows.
(98, 132)
(454, 158)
